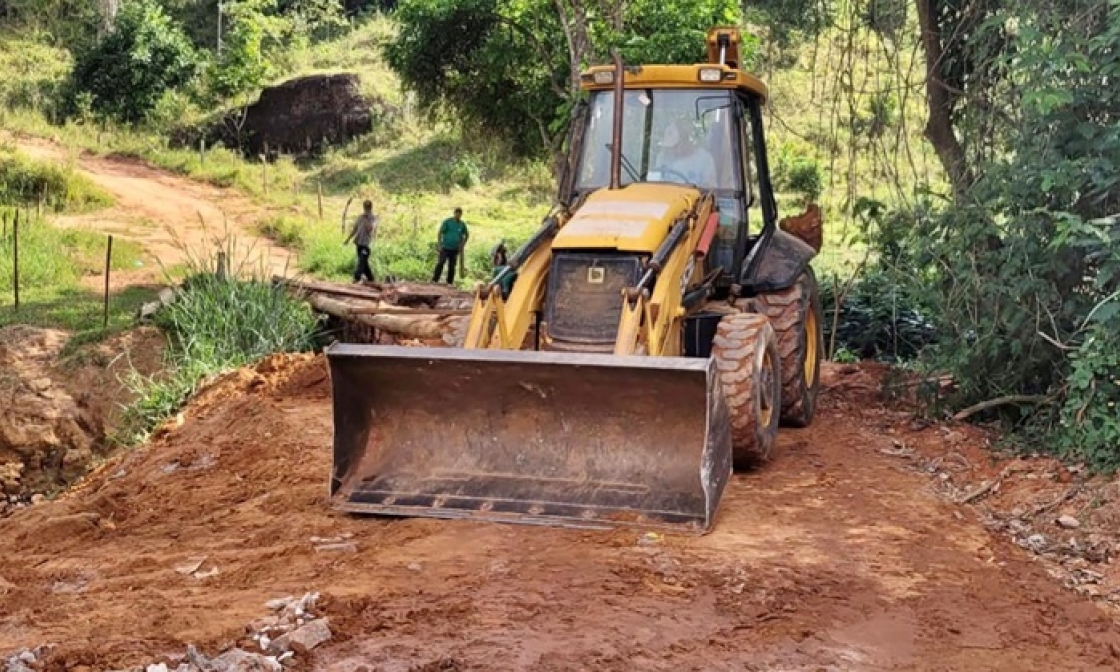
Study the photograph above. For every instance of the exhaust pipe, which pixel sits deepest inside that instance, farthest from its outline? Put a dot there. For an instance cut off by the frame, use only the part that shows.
(616, 132)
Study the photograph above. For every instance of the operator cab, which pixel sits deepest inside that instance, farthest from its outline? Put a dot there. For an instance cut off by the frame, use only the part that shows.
(694, 137)
(696, 125)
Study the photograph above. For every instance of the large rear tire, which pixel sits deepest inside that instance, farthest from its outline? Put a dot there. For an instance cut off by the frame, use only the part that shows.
(746, 354)
(795, 315)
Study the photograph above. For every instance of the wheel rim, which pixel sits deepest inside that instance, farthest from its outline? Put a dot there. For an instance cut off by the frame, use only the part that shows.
(766, 397)
(812, 358)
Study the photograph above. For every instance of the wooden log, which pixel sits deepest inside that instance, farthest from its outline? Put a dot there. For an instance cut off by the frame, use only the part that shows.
(409, 327)
(357, 291)
(340, 308)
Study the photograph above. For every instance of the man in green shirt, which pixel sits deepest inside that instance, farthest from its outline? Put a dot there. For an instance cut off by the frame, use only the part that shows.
(452, 238)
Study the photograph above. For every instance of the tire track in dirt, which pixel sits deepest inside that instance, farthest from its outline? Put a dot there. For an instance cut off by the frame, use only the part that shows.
(175, 219)
(833, 557)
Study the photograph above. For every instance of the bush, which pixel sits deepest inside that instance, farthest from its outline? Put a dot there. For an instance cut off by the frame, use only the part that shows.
(879, 319)
(799, 172)
(128, 71)
(1090, 420)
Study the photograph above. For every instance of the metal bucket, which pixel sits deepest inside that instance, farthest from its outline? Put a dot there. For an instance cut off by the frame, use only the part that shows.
(580, 440)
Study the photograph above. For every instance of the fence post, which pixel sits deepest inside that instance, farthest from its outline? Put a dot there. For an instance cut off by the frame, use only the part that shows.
(108, 264)
(201, 152)
(319, 192)
(15, 259)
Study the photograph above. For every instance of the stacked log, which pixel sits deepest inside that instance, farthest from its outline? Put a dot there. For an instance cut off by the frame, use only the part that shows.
(389, 313)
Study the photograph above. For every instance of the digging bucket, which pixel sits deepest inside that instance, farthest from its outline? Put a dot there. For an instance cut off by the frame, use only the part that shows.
(579, 440)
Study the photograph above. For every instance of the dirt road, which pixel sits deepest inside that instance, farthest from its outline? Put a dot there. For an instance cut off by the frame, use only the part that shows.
(173, 218)
(835, 557)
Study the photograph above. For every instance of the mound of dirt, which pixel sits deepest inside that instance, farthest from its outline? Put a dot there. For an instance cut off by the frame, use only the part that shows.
(57, 412)
(304, 114)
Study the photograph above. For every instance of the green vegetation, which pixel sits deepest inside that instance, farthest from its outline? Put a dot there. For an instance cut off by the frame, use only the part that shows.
(986, 251)
(53, 263)
(215, 324)
(124, 76)
(56, 187)
(506, 69)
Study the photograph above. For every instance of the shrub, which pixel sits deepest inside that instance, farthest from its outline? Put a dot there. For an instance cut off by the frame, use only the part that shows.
(128, 71)
(879, 319)
(798, 172)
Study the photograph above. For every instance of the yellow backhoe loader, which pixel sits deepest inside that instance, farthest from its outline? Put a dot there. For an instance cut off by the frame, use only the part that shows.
(649, 343)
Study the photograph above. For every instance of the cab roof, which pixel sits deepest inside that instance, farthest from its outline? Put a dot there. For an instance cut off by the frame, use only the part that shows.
(673, 77)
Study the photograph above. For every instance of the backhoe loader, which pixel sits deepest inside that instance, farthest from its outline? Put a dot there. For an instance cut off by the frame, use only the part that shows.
(649, 344)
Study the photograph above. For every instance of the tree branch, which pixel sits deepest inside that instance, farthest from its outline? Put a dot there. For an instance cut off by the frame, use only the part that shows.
(1001, 401)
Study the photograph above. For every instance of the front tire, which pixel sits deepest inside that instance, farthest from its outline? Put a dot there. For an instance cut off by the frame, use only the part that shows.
(795, 314)
(746, 353)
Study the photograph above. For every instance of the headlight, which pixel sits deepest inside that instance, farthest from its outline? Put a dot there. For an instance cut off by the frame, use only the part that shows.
(711, 74)
(604, 77)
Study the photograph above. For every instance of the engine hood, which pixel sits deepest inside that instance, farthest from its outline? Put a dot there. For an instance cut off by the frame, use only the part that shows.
(635, 218)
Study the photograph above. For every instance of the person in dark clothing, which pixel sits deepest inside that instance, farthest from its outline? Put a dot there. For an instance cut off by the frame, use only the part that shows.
(499, 259)
(362, 235)
(451, 240)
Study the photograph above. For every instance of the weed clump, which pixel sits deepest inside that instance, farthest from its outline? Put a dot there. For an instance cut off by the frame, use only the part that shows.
(216, 323)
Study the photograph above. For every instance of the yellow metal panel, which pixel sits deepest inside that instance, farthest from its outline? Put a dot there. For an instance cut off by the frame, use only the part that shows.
(675, 77)
(635, 218)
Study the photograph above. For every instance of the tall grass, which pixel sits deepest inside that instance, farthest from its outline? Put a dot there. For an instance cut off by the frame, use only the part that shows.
(217, 322)
(58, 187)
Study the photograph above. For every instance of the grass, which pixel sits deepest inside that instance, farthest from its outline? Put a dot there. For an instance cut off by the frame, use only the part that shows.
(46, 185)
(215, 324)
(53, 263)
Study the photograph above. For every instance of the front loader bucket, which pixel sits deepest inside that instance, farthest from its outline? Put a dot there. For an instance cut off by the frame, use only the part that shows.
(579, 440)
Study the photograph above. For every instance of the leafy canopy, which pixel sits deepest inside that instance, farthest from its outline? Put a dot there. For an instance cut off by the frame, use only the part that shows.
(503, 68)
(124, 75)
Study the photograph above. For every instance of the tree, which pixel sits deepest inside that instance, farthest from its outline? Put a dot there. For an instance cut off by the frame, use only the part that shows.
(243, 63)
(509, 69)
(124, 75)
(1022, 268)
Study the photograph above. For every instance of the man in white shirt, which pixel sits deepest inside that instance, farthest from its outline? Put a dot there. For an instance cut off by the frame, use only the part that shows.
(362, 235)
(681, 160)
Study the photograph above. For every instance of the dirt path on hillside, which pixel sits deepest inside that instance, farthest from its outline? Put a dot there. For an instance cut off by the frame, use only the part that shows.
(175, 219)
(834, 557)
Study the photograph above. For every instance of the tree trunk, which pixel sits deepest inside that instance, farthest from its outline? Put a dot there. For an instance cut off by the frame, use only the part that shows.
(108, 16)
(939, 128)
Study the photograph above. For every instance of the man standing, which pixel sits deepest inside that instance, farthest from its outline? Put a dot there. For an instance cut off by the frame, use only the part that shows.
(452, 238)
(362, 235)
(499, 260)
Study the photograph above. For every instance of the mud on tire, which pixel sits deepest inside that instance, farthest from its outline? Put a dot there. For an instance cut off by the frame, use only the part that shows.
(746, 354)
(795, 315)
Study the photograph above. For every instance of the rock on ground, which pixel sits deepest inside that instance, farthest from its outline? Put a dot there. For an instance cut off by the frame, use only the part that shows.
(302, 639)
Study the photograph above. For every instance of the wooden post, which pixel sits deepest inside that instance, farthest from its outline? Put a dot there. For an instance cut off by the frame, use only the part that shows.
(15, 259)
(108, 265)
(201, 152)
(319, 191)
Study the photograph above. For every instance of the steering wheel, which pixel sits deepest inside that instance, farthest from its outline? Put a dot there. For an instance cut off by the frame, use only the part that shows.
(670, 171)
